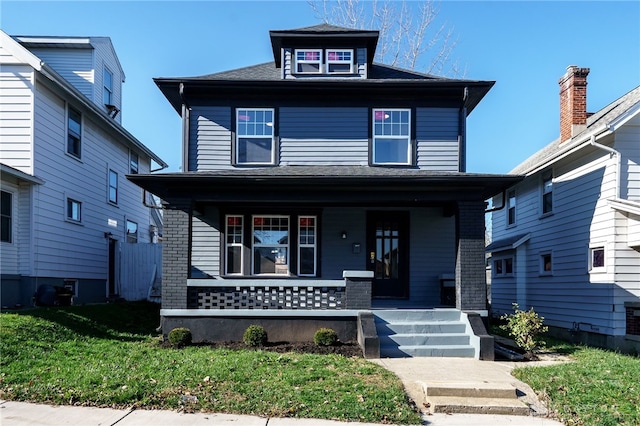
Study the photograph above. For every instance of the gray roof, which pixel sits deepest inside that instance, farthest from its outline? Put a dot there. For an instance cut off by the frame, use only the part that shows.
(603, 117)
(509, 243)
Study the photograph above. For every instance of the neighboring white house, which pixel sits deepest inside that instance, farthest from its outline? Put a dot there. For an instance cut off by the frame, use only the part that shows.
(567, 242)
(66, 205)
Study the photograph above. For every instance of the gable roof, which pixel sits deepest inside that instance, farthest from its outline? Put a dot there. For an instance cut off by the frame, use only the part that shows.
(606, 119)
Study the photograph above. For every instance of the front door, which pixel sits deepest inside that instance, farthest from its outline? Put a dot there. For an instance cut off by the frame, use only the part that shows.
(388, 253)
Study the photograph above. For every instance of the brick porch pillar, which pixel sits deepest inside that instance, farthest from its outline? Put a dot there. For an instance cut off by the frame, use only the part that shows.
(175, 256)
(471, 283)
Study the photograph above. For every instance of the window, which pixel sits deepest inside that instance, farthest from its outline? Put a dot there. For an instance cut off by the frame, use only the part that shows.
(74, 132)
(307, 246)
(133, 163)
(308, 61)
(6, 214)
(391, 136)
(74, 210)
(596, 259)
(107, 83)
(503, 267)
(547, 193)
(546, 265)
(270, 245)
(511, 207)
(132, 232)
(254, 136)
(234, 242)
(339, 61)
(113, 187)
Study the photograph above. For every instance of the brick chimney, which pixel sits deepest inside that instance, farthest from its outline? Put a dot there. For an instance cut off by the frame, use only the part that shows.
(573, 102)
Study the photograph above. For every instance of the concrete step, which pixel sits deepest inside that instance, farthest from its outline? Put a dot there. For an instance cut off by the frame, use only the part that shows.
(470, 389)
(395, 351)
(415, 315)
(420, 327)
(424, 339)
(463, 405)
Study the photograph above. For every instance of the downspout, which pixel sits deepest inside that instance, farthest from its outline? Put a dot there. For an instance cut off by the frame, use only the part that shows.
(501, 206)
(613, 152)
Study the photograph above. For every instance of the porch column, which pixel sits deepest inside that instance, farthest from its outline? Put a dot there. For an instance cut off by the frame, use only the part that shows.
(358, 289)
(175, 256)
(471, 281)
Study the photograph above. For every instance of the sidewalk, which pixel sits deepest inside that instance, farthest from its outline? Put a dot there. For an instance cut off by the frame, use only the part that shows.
(22, 414)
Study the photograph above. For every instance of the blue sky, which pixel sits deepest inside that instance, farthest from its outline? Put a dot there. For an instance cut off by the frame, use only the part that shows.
(524, 46)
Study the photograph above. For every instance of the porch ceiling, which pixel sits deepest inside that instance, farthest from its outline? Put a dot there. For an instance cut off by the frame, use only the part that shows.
(341, 185)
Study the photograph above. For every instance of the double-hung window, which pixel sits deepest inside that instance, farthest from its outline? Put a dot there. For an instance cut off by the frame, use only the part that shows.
(134, 163)
(255, 143)
(511, 207)
(308, 61)
(270, 245)
(107, 84)
(339, 61)
(132, 232)
(307, 246)
(74, 132)
(234, 243)
(391, 136)
(74, 210)
(113, 187)
(6, 215)
(547, 193)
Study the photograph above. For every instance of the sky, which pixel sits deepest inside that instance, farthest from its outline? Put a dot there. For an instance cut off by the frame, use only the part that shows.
(525, 47)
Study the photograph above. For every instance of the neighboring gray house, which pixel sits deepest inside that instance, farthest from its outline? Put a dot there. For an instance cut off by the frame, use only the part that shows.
(66, 204)
(568, 241)
(319, 186)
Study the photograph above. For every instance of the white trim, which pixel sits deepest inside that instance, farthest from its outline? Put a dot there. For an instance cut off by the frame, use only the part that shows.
(329, 62)
(314, 246)
(286, 246)
(269, 313)
(297, 61)
(264, 283)
(272, 160)
(627, 206)
(599, 269)
(402, 138)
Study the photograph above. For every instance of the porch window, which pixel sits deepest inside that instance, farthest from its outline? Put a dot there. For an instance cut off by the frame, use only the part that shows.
(254, 136)
(234, 242)
(270, 245)
(392, 136)
(308, 61)
(307, 246)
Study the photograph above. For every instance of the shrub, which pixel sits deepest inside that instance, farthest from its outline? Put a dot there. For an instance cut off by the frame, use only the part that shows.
(179, 337)
(524, 327)
(325, 337)
(255, 335)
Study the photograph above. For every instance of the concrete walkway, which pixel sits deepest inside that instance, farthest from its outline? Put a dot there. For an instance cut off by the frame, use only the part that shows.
(412, 371)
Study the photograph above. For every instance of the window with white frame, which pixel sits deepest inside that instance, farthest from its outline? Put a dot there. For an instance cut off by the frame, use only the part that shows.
(255, 136)
(113, 187)
(391, 136)
(134, 163)
(74, 132)
(6, 216)
(597, 258)
(547, 193)
(546, 263)
(308, 61)
(234, 245)
(74, 210)
(339, 61)
(307, 246)
(270, 247)
(107, 84)
(511, 207)
(132, 231)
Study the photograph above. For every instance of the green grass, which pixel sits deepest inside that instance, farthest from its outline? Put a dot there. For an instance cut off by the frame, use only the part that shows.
(110, 356)
(599, 388)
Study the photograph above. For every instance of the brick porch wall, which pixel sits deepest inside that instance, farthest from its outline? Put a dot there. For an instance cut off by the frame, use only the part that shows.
(471, 284)
(175, 252)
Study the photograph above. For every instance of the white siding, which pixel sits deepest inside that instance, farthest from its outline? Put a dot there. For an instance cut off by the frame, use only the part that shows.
(104, 56)
(74, 65)
(627, 142)
(16, 115)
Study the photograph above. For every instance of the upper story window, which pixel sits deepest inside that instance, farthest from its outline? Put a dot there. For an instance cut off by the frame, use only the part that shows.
(113, 187)
(547, 193)
(391, 136)
(308, 61)
(339, 61)
(132, 232)
(255, 136)
(134, 163)
(6, 215)
(74, 132)
(107, 84)
(74, 210)
(511, 207)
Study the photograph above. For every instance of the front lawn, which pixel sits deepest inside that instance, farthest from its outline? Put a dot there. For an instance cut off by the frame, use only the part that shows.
(110, 356)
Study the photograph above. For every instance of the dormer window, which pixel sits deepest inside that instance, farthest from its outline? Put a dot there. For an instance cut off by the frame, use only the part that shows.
(308, 61)
(327, 61)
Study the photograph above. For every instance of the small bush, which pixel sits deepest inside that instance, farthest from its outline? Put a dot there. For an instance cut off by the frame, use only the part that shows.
(524, 327)
(325, 337)
(179, 337)
(255, 335)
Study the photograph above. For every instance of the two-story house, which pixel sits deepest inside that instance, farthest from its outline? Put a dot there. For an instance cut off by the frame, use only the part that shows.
(568, 242)
(317, 186)
(66, 204)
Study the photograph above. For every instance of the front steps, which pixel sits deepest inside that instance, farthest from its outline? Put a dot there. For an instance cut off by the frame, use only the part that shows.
(423, 333)
(473, 398)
